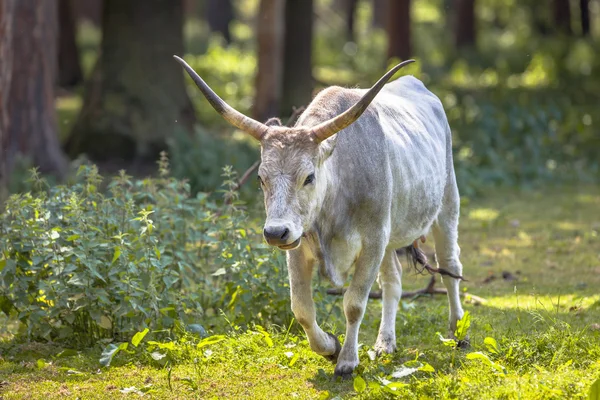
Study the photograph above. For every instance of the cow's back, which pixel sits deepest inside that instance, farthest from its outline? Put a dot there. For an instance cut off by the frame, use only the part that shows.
(392, 162)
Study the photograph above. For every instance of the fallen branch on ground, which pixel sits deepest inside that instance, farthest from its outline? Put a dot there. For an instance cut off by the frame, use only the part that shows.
(429, 289)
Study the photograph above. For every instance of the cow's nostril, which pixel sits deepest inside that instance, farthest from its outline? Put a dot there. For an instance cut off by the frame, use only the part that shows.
(276, 233)
(285, 234)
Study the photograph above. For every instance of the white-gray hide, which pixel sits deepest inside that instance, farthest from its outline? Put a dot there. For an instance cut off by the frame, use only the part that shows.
(389, 180)
(348, 200)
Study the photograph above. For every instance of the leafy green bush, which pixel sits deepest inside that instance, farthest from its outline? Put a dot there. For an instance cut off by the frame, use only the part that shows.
(80, 265)
(200, 159)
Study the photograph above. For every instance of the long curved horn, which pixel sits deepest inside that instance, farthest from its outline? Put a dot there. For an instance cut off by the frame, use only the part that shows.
(336, 124)
(231, 115)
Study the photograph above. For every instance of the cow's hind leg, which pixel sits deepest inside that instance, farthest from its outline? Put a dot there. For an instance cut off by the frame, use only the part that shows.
(445, 233)
(390, 275)
(355, 302)
(300, 268)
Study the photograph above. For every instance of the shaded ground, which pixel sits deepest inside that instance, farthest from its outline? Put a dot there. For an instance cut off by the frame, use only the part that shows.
(535, 258)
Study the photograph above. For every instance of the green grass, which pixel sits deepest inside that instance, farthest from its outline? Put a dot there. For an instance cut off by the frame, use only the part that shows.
(545, 323)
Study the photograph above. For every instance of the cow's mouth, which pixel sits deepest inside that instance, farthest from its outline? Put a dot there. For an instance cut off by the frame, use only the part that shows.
(290, 246)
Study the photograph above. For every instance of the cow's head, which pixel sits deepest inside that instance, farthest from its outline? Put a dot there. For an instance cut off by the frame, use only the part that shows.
(289, 172)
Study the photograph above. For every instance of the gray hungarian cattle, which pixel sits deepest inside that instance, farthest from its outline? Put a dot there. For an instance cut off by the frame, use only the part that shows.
(344, 192)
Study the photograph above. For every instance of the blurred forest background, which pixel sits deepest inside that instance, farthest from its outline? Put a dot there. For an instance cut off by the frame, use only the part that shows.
(93, 83)
(95, 80)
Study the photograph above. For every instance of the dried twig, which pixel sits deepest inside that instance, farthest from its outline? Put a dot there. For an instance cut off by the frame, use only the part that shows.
(429, 289)
(296, 112)
(246, 175)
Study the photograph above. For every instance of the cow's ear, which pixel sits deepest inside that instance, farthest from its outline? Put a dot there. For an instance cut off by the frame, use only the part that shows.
(326, 148)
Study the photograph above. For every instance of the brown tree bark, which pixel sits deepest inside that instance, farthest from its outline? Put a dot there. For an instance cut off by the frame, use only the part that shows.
(7, 9)
(398, 29)
(465, 35)
(69, 67)
(562, 16)
(379, 13)
(270, 32)
(136, 96)
(350, 14)
(297, 64)
(219, 14)
(89, 10)
(32, 129)
(584, 7)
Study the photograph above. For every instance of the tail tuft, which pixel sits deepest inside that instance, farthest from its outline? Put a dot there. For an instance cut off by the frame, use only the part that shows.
(417, 258)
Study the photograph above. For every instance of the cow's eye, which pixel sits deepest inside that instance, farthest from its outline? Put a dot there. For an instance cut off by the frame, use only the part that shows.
(309, 179)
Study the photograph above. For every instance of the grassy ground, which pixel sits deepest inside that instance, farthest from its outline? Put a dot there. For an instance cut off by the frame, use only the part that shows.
(534, 257)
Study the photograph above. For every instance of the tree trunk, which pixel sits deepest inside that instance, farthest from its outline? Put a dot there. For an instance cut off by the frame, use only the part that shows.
(584, 7)
(465, 23)
(379, 13)
(297, 64)
(398, 29)
(7, 9)
(32, 129)
(350, 18)
(562, 16)
(270, 32)
(136, 96)
(69, 68)
(219, 14)
(89, 10)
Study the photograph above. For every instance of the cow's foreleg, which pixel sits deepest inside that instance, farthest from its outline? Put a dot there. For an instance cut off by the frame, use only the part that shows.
(355, 302)
(300, 267)
(390, 275)
(445, 233)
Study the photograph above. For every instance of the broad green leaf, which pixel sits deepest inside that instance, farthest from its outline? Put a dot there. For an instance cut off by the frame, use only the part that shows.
(594, 393)
(163, 346)
(426, 368)
(41, 363)
(491, 344)
(110, 351)
(294, 359)
(197, 329)
(359, 384)
(211, 340)
(105, 322)
(447, 342)
(480, 356)
(138, 337)
(462, 326)
(324, 395)
(116, 255)
(67, 353)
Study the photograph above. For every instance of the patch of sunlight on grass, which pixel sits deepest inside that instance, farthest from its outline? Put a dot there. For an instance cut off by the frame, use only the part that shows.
(542, 302)
(569, 226)
(587, 199)
(483, 214)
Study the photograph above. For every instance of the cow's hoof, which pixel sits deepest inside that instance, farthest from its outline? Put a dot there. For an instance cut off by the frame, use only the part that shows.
(344, 369)
(338, 347)
(464, 344)
(387, 345)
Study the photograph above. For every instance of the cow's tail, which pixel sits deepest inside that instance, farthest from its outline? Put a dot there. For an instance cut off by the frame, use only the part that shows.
(417, 258)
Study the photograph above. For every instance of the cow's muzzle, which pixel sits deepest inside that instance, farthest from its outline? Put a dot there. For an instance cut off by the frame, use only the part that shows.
(280, 236)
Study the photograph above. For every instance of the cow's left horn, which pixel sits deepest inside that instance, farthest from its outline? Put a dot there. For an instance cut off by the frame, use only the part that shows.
(336, 124)
(231, 115)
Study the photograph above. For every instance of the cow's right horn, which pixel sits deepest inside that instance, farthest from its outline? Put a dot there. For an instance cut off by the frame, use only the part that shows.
(231, 115)
(336, 124)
